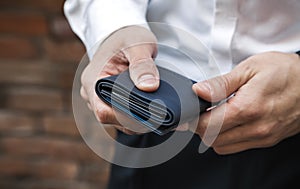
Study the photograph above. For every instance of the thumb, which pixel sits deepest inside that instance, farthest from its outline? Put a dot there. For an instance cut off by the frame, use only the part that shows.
(219, 88)
(142, 69)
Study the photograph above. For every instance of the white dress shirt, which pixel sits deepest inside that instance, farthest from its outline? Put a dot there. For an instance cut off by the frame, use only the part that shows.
(231, 30)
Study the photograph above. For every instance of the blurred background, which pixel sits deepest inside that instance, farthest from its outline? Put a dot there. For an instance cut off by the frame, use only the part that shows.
(40, 146)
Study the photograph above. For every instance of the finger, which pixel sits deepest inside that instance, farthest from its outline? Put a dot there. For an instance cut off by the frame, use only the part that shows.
(220, 87)
(125, 130)
(89, 106)
(85, 97)
(234, 148)
(218, 120)
(236, 135)
(240, 109)
(103, 112)
(130, 124)
(249, 132)
(115, 65)
(242, 146)
(83, 94)
(142, 69)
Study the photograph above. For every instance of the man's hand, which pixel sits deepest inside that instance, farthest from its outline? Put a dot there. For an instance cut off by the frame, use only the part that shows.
(265, 108)
(131, 47)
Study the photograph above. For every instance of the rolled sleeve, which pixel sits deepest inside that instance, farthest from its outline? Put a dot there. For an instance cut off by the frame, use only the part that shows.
(93, 20)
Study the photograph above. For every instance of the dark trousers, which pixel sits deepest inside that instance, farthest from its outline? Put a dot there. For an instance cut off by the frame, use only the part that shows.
(277, 167)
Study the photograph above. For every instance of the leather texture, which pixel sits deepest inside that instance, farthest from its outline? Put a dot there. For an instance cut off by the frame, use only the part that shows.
(174, 102)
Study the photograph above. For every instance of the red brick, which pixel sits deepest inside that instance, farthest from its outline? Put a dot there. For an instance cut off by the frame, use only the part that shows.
(15, 123)
(37, 73)
(61, 125)
(48, 184)
(96, 173)
(40, 146)
(17, 48)
(28, 73)
(61, 29)
(49, 147)
(42, 5)
(23, 23)
(38, 168)
(66, 75)
(56, 170)
(32, 99)
(14, 167)
(64, 51)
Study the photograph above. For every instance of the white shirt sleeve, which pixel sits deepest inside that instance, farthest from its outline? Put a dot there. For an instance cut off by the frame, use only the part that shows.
(94, 20)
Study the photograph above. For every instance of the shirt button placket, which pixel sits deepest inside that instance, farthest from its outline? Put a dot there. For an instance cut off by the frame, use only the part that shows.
(225, 19)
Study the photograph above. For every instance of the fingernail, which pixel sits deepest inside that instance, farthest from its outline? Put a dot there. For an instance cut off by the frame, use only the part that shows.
(147, 80)
(203, 86)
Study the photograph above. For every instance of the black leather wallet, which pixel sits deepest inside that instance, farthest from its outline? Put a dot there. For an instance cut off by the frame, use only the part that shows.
(161, 111)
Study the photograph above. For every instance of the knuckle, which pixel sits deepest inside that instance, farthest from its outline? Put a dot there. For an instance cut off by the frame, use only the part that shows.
(201, 129)
(220, 150)
(252, 112)
(103, 116)
(217, 142)
(142, 64)
(225, 81)
(83, 93)
(136, 60)
(219, 87)
(127, 131)
(236, 107)
(248, 66)
(270, 141)
(263, 131)
(250, 61)
(84, 76)
(118, 127)
(247, 110)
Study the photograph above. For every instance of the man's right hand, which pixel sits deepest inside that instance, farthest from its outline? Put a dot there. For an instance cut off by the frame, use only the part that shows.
(131, 47)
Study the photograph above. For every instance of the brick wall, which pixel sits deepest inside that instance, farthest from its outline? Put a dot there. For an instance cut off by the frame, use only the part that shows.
(40, 146)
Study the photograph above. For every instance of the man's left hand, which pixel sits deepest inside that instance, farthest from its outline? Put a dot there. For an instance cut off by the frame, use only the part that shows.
(265, 108)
